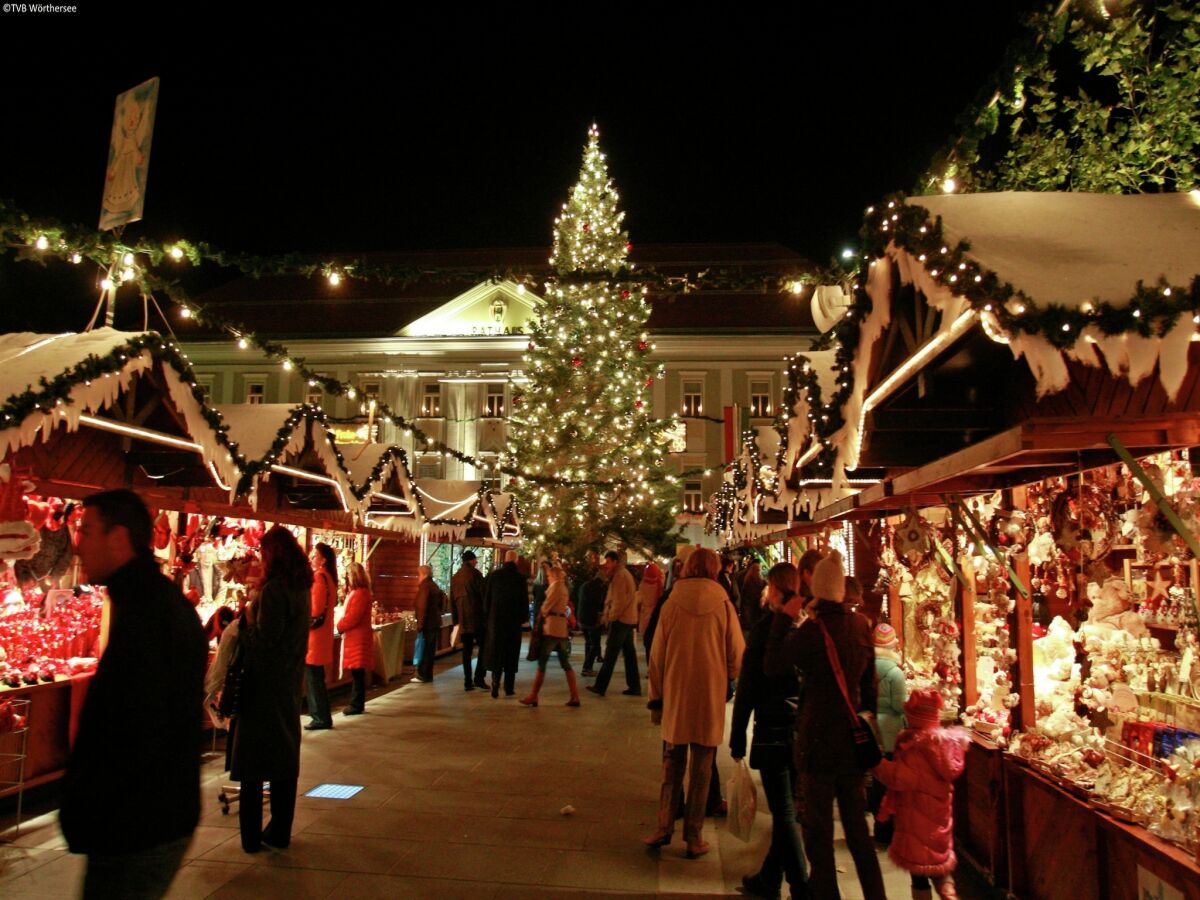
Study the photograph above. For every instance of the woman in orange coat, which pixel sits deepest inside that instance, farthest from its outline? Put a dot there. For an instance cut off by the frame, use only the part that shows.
(320, 635)
(358, 645)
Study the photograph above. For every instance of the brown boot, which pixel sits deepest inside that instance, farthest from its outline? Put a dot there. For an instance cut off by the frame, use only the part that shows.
(943, 885)
(574, 688)
(532, 699)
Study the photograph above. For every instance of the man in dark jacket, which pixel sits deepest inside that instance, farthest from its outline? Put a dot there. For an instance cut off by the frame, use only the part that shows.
(466, 595)
(131, 795)
(507, 601)
(589, 607)
(429, 602)
(825, 754)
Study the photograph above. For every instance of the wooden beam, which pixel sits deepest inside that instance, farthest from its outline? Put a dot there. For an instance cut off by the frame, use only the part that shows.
(1021, 627)
(966, 615)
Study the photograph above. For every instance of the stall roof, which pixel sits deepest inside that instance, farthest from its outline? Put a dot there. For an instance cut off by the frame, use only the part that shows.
(1068, 248)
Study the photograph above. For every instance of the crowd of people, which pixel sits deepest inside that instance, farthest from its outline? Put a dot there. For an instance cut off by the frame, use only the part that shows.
(787, 649)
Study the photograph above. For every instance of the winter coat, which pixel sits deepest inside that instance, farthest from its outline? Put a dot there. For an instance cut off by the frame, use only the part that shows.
(697, 650)
(554, 610)
(508, 609)
(752, 591)
(320, 639)
(729, 583)
(893, 691)
(772, 700)
(358, 643)
(266, 734)
(466, 595)
(824, 744)
(591, 602)
(620, 603)
(920, 781)
(649, 591)
(428, 605)
(133, 776)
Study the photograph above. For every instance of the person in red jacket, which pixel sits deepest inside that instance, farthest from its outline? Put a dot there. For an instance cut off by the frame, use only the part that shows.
(320, 636)
(358, 645)
(920, 782)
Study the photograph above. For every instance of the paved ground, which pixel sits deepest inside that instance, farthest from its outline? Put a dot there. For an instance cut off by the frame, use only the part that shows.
(463, 796)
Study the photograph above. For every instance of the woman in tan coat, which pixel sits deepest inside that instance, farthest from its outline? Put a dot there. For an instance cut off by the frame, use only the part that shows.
(555, 637)
(697, 649)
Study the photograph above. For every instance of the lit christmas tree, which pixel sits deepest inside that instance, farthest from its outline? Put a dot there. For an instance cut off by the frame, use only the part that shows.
(582, 433)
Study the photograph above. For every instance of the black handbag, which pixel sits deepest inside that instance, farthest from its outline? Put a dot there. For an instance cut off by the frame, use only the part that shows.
(231, 690)
(867, 752)
(535, 638)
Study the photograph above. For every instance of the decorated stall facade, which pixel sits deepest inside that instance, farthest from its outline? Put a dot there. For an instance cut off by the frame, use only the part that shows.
(1021, 370)
(107, 409)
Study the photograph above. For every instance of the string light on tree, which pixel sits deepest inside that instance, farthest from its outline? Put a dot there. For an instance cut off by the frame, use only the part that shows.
(585, 413)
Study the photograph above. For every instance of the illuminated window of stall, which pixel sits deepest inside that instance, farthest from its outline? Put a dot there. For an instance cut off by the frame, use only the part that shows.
(693, 497)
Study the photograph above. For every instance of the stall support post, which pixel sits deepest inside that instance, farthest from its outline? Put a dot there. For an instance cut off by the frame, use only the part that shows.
(1021, 625)
(966, 616)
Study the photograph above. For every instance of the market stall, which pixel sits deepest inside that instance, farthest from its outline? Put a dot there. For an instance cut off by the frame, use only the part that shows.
(1041, 575)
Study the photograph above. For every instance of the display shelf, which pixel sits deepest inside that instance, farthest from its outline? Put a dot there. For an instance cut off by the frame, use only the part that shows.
(14, 750)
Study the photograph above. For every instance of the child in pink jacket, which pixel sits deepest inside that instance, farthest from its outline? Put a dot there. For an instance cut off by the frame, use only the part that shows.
(920, 782)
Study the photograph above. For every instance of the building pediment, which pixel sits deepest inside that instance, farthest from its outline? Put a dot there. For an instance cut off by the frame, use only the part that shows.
(486, 310)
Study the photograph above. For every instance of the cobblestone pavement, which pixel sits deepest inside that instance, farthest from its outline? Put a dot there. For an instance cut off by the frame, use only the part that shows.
(462, 795)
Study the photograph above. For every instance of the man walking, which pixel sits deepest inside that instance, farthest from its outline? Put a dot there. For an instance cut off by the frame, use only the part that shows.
(589, 608)
(466, 595)
(621, 615)
(508, 607)
(131, 794)
(429, 616)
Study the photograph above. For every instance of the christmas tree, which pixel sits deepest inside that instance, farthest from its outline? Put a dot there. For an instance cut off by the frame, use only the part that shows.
(581, 434)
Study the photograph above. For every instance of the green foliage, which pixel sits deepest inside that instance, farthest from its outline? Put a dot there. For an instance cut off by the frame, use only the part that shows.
(1100, 97)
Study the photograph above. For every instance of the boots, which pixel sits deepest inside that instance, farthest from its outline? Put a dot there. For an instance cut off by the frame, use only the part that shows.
(573, 685)
(943, 886)
(532, 699)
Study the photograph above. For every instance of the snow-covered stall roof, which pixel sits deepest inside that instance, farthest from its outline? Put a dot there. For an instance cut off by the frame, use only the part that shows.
(52, 379)
(447, 509)
(1107, 280)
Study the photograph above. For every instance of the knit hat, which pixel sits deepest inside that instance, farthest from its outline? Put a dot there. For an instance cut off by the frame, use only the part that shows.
(828, 579)
(923, 708)
(885, 636)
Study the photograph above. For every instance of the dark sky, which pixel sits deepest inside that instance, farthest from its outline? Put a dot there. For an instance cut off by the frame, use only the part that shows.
(404, 131)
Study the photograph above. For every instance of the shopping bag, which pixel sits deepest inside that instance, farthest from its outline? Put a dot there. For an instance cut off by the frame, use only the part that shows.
(743, 802)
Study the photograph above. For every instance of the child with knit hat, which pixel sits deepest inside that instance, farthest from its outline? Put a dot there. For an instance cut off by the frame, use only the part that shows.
(920, 780)
(889, 711)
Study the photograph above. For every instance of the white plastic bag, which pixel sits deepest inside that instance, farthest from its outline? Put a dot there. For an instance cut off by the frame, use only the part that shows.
(743, 802)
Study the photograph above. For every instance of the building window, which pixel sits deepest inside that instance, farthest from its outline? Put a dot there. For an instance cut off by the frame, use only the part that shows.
(693, 497)
(314, 394)
(370, 390)
(256, 392)
(431, 399)
(488, 472)
(205, 384)
(429, 465)
(493, 407)
(760, 399)
(693, 398)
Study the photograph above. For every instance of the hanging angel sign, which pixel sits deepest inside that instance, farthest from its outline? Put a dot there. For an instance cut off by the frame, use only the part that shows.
(129, 156)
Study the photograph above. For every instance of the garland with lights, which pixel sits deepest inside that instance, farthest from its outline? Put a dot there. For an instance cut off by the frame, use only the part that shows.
(1150, 312)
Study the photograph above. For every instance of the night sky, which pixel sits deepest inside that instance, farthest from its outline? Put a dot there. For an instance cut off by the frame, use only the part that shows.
(407, 132)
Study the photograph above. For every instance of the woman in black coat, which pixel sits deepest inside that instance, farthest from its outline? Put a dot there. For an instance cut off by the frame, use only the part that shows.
(273, 640)
(773, 700)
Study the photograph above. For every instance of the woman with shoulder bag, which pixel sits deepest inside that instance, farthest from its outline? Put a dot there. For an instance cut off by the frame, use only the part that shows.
(773, 700)
(833, 649)
(320, 636)
(266, 735)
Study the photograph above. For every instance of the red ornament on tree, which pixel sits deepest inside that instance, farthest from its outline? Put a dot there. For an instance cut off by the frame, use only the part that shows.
(650, 382)
(577, 361)
(625, 295)
(587, 226)
(642, 345)
(637, 404)
(628, 246)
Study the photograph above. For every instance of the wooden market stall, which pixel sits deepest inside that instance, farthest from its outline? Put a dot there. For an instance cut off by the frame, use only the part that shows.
(998, 342)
